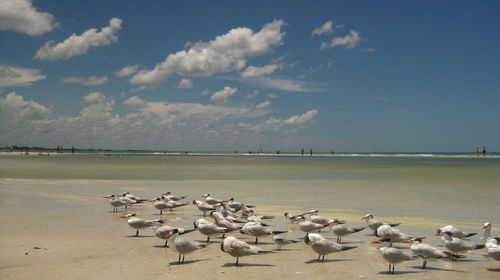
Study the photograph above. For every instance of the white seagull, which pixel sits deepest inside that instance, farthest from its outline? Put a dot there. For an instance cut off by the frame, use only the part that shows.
(393, 255)
(238, 248)
(162, 231)
(323, 246)
(257, 230)
(374, 224)
(494, 250)
(181, 245)
(208, 228)
(341, 230)
(308, 226)
(204, 207)
(455, 232)
(137, 223)
(457, 245)
(427, 252)
(211, 200)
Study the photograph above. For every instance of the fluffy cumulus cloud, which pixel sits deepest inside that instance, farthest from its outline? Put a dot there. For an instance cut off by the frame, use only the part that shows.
(349, 41)
(127, 71)
(275, 124)
(11, 76)
(222, 96)
(14, 108)
(90, 81)
(21, 16)
(77, 45)
(254, 71)
(281, 84)
(185, 83)
(228, 52)
(152, 125)
(134, 101)
(324, 29)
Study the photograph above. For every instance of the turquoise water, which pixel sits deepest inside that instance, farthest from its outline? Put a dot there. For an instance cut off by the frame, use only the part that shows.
(433, 189)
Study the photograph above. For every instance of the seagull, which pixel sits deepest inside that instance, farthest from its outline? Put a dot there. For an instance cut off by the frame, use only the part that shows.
(323, 246)
(494, 250)
(308, 226)
(394, 235)
(137, 223)
(315, 218)
(116, 202)
(161, 231)
(342, 230)
(170, 196)
(486, 238)
(228, 225)
(455, 232)
(374, 224)
(427, 252)
(234, 206)
(203, 207)
(393, 255)
(294, 218)
(133, 197)
(238, 248)
(210, 200)
(257, 230)
(456, 245)
(208, 228)
(280, 241)
(181, 245)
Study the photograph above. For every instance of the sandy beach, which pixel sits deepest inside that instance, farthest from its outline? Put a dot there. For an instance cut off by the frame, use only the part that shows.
(62, 228)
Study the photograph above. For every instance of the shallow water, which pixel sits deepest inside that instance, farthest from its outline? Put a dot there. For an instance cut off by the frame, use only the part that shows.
(55, 201)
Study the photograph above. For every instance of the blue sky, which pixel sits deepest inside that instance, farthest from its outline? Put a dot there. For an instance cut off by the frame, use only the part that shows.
(409, 76)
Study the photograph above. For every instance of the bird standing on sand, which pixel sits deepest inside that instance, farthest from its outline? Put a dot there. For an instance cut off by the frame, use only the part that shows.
(494, 250)
(182, 246)
(137, 223)
(162, 231)
(116, 202)
(457, 245)
(427, 252)
(374, 224)
(257, 230)
(208, 228)
(170, 196)
(203, 207)
(211, 200)
(323, 246)
(341, 230)
(308, 226)
(393, 256)
(238, 248)
(280, 241)
(455, 232)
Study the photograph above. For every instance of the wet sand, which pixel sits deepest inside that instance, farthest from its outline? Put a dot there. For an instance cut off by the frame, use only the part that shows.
(62, 229)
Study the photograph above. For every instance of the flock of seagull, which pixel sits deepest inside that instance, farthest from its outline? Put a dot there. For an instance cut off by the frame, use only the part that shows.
(230, 216)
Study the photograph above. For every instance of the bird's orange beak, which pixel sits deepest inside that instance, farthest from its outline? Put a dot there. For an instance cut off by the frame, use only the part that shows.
(149, 222)
(375, 242)
(168, 235)
(484, 227)
(405, 241)
(363, 218)
(123, 217)
(387, 234)
(438, 234)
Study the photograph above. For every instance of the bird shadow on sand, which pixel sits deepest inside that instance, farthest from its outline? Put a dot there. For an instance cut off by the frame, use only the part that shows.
(399, 272)
(204, 242)
(138, 236)
(327, 261)
(186, 262)
(160, 246)
(282, 250)
(436, 269)
(246, 264)
(352, 242)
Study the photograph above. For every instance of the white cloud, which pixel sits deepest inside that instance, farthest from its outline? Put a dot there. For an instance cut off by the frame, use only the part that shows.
(263, 105)
(90, 81)
(253, 95)
(272, 95)
(254, 71)
(205, 92)
(349, 41)
(77, 45)
(225, 53)
(150, 125)
(185, 83)
(18, 77)
(222, 96)
(127, 71)
(94, 98)
(21, 16)
(134, 101)
(14, 108)
(281, 84)
(274, 124)
(324, 29)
